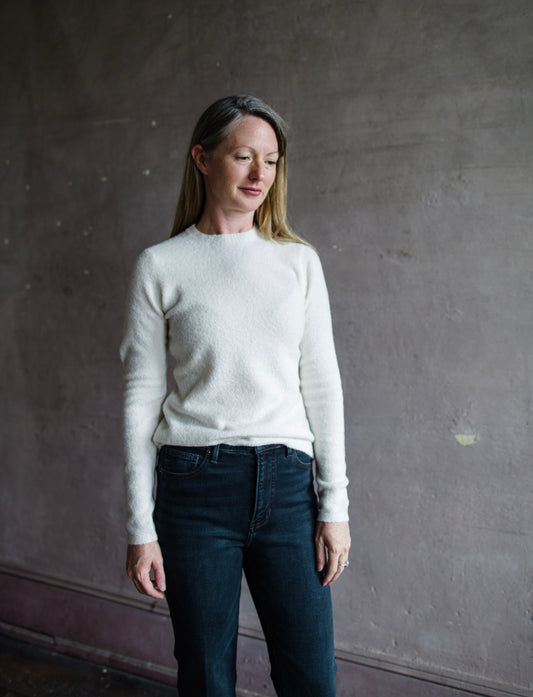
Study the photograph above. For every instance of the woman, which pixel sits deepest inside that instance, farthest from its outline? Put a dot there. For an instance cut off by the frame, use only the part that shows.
(240, 303)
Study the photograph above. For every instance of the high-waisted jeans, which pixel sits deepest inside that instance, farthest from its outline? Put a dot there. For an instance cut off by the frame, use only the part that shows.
(220, 510)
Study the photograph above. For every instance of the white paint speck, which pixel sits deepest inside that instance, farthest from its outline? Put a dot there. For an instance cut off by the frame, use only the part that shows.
(58, 223)
(6, 241)
(146, 172)
(28, 286)
(154, 124)
(103, 179)
(169, 17)
(85, 272)
(28, 187)
(466, 438)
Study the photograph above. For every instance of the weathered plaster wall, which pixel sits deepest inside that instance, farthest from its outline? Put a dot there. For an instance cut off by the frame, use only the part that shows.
(411, 170)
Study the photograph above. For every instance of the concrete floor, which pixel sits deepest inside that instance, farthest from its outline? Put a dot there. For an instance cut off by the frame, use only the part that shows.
(31, 671)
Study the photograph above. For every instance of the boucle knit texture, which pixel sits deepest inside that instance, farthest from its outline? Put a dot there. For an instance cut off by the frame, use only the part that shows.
(247, 324)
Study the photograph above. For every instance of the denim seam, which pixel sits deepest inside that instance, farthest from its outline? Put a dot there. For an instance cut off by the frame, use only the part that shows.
(201, 463)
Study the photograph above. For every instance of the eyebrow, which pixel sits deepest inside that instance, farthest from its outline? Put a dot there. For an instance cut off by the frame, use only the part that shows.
(274, 152)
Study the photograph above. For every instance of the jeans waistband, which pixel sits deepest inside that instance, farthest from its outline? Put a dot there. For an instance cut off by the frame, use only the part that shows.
(212, 451)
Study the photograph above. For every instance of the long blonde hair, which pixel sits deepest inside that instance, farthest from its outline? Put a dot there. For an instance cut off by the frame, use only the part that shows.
(213, 126)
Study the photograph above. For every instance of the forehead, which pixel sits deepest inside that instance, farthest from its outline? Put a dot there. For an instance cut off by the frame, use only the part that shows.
(253, 132)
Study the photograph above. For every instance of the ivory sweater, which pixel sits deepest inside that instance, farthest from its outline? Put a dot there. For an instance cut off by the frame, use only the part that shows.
(247, 324)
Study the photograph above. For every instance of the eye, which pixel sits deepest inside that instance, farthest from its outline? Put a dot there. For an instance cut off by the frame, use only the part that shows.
(272, 163)
(244, 158)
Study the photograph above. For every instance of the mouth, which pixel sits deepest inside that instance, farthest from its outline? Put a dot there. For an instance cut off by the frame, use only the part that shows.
(251, 191)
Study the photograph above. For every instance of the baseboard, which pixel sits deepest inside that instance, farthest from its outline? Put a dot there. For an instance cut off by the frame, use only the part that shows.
(134, 634)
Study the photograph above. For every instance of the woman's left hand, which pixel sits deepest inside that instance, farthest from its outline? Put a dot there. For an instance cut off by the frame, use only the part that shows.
(332, 544)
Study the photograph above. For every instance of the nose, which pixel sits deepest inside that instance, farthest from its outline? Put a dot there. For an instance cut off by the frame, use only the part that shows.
(257, 171)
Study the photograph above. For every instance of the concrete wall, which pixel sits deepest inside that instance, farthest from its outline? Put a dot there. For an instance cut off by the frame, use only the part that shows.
(411, 170)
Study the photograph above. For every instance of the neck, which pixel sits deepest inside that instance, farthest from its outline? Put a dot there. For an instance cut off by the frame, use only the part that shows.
(218, 223)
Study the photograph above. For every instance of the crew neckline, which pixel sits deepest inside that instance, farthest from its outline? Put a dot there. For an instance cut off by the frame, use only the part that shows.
(235, 236)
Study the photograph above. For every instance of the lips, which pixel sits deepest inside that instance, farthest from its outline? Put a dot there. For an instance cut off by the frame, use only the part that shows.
(250, 191)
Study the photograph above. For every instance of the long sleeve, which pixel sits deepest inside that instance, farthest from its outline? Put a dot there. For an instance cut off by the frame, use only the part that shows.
(143, 353)
(322, 394)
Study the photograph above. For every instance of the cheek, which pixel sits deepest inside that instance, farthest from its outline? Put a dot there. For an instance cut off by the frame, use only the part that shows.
(271, 181)
(224, 172)
(235, 174)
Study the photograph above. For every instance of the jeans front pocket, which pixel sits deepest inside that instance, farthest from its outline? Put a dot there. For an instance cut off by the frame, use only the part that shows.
(174, 461)
(302, 459)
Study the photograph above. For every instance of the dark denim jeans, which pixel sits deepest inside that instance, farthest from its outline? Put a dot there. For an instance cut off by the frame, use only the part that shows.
(223, 509)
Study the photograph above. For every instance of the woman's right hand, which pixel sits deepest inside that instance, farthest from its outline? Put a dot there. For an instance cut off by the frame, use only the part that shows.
(141, 560)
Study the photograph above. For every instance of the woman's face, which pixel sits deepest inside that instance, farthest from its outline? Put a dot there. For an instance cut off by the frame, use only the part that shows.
(240, 171)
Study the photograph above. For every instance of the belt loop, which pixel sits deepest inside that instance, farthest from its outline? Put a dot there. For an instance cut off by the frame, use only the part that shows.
(289, 451)
(214, 454)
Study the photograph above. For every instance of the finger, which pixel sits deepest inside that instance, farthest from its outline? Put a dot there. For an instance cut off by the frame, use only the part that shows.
(155, 592)
(139, 572)
(320, 553)
(332, 568)
(147, 586)
(338, 572)
(343, 564)
(136, 583)
(159, 578)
